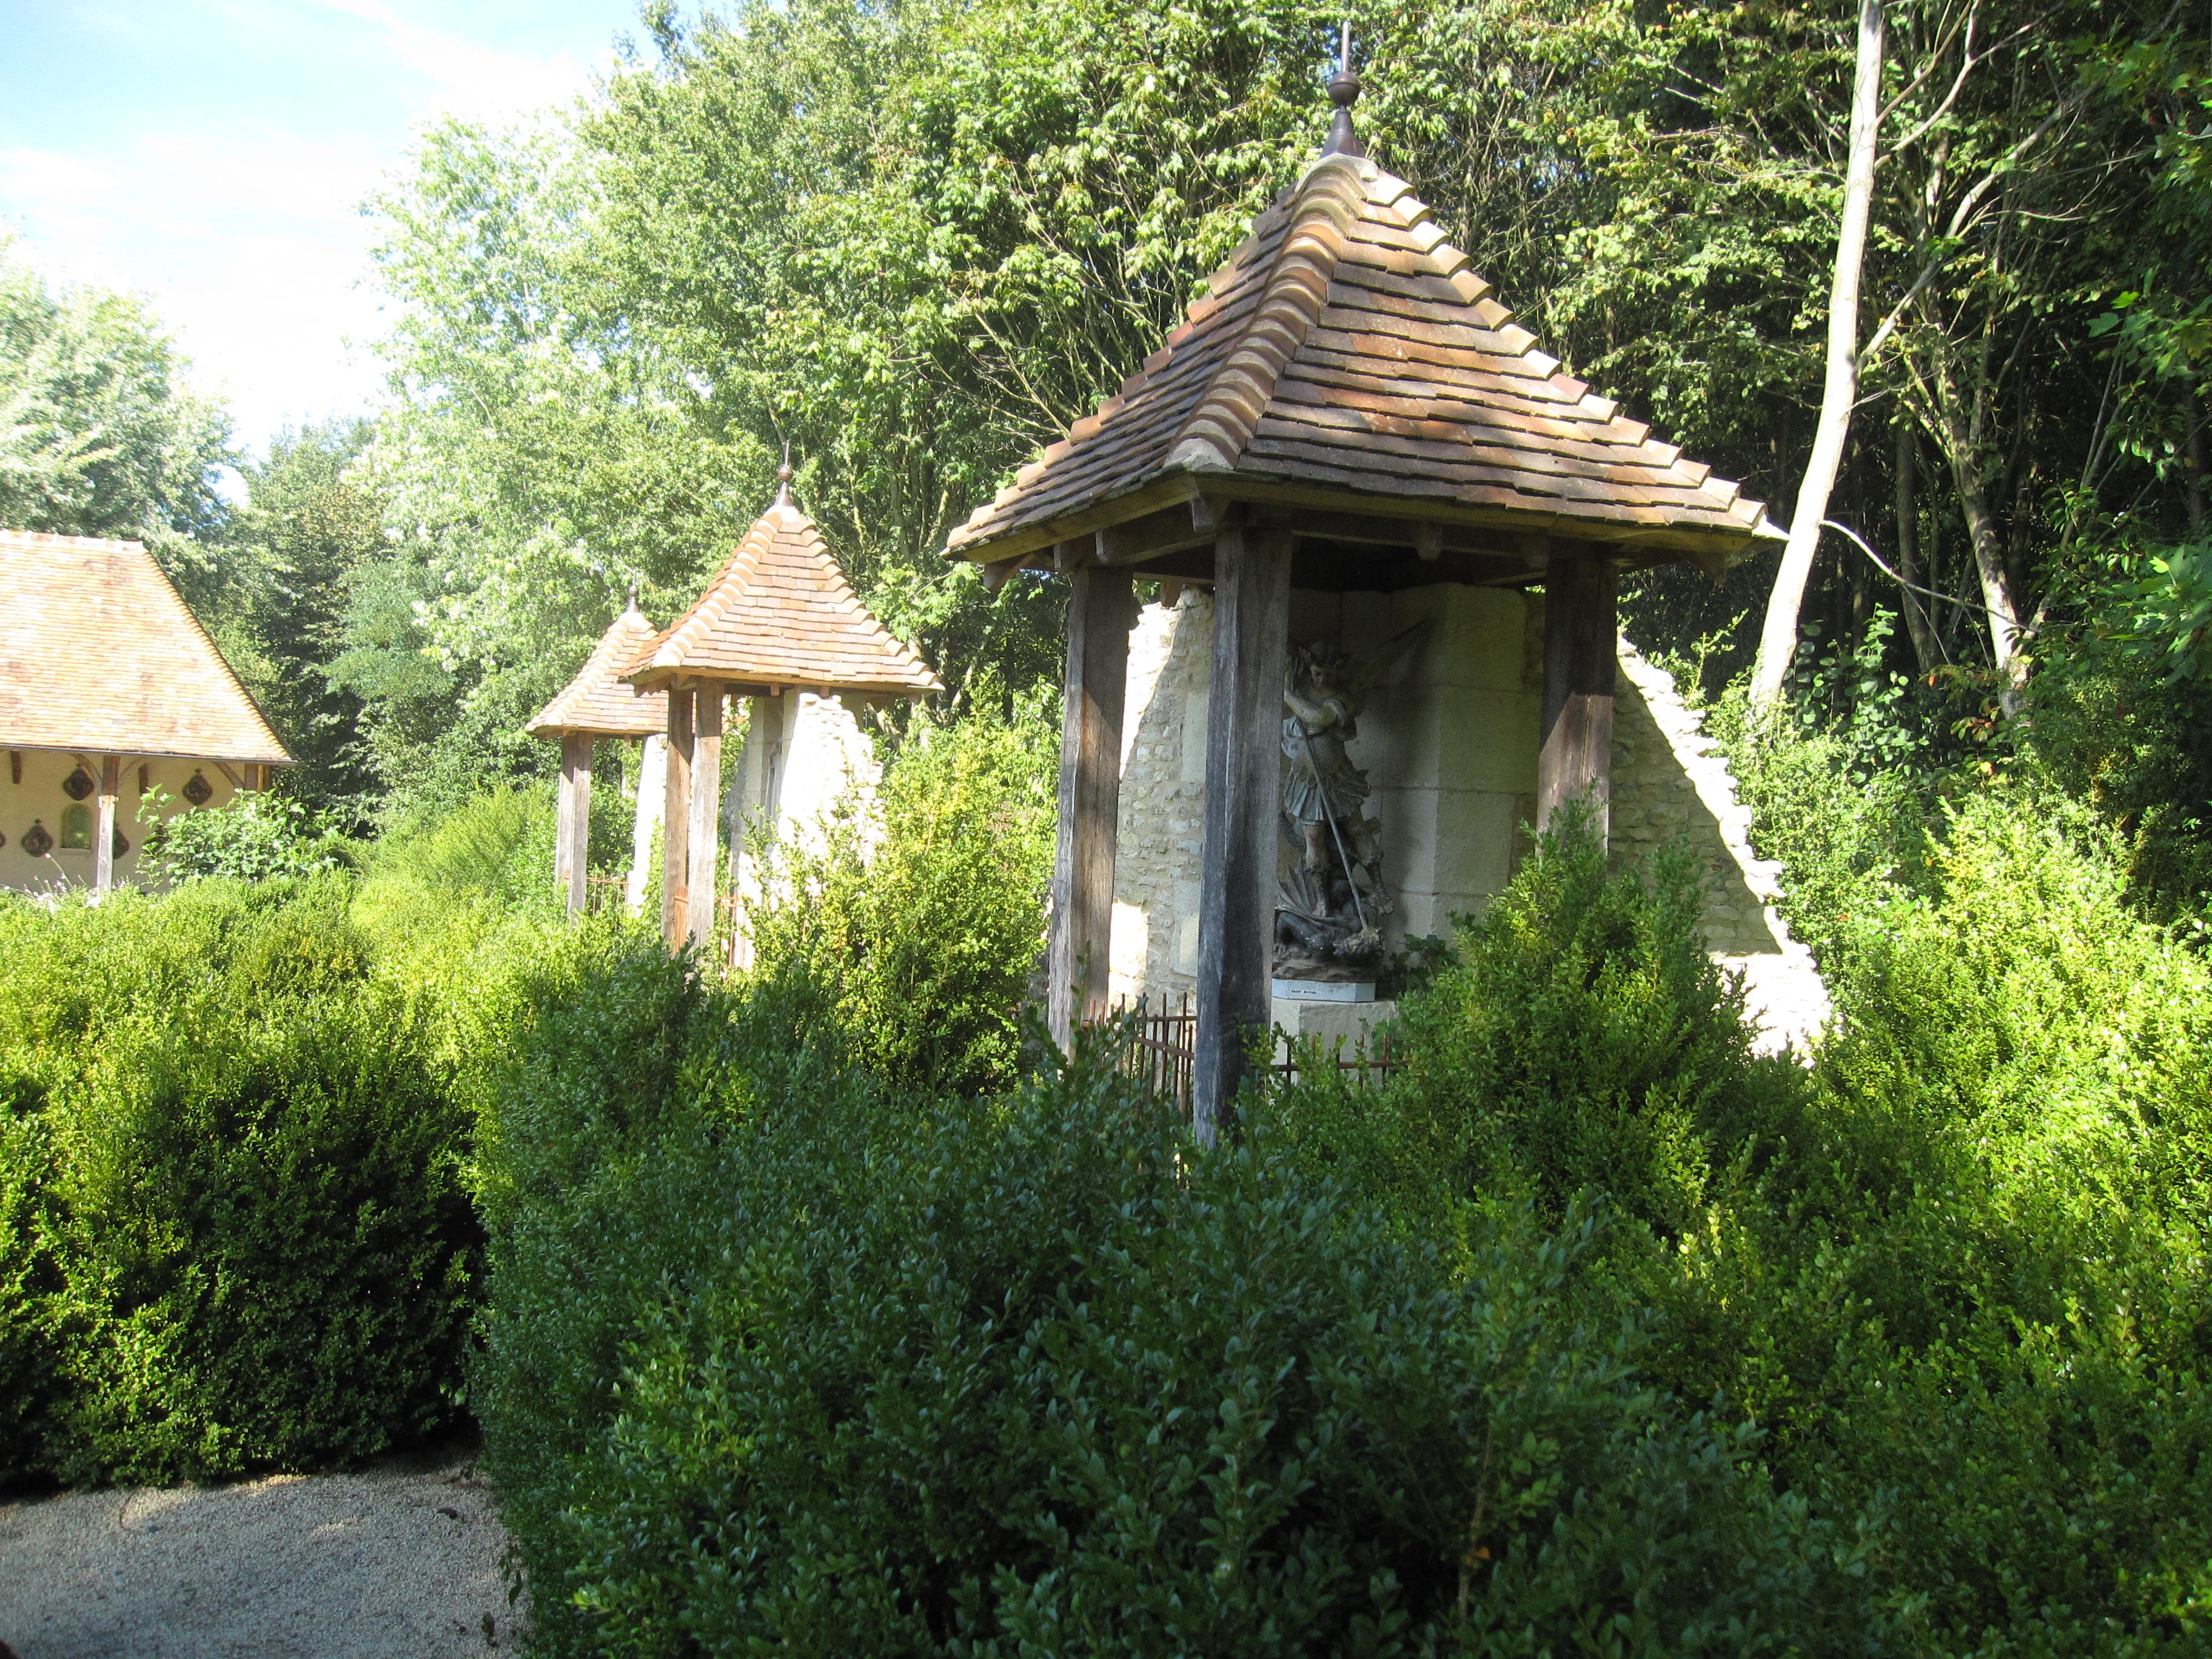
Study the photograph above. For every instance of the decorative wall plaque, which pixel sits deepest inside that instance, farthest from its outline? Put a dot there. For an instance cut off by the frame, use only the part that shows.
(76, 829)
(78, 784)
(199, 791)
(36, 841)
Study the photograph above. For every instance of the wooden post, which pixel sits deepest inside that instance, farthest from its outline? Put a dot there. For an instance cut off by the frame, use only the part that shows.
(1099, 617)
(1243, 799)
(576, 816)
(1580, 632)
(103, 827)
(651, 779)
(705, 815)
(676, 822)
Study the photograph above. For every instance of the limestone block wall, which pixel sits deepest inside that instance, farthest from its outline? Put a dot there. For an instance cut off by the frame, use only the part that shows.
(1449, 741)
(31, 792)
(1668, 780)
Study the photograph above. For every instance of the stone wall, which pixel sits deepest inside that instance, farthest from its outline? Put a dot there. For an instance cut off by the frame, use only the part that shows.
(1448, 740)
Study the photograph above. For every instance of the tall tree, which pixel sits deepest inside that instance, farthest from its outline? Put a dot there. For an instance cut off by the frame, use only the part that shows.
(1777, 641)
(100, 433)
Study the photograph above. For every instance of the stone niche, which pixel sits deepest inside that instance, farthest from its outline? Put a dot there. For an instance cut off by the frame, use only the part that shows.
(1448, 740)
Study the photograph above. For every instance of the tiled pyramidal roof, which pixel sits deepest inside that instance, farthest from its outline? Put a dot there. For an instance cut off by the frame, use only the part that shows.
(781, 614)
(100, 655)
(596, 701)
(1347, 345)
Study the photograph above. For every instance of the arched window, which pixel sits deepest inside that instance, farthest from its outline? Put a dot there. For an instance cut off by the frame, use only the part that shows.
(76, 829)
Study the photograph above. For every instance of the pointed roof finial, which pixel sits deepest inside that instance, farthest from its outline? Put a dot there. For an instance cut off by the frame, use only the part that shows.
(632, 593)
(1344, 93)
(783, 478)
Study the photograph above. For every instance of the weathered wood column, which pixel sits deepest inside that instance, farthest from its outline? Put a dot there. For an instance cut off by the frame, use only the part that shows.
(1243, 799)
(575, 829)
(1580, 631)
(705, 814)
(1099, 616)
(676, 822)
(103, 824)
(645, 828)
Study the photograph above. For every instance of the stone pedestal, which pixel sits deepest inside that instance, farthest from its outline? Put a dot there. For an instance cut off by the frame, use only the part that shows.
(1299, 1019)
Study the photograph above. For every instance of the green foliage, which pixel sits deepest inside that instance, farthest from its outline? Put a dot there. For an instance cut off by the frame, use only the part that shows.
(1582, 1039)
(251, 837)
(918, 916)
(313, 519)
(1972, 1289)
(232, 1224)
(98, 434)
(778, 1355)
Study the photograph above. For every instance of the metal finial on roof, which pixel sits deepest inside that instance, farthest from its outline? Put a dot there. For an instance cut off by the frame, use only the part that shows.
(632, 593)
(1344, 93)
(783, 478)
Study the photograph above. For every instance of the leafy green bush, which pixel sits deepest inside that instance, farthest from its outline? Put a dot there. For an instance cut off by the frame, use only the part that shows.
(776, 1355)
(1974, 1292)
(920, 914)
(251, 837)
(233, 1230)
(1584, 1039)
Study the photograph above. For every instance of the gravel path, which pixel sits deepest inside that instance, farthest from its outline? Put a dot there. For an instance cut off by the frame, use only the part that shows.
(400, 1561)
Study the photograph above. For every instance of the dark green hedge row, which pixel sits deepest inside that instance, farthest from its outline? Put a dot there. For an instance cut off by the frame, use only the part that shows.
(233, 1233)
(778, 1358)
(1591, 1332)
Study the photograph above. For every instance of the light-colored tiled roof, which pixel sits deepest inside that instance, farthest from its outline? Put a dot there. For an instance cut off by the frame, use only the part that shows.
(781, 614)
(1348, 346)
(100, 655)
(597, 702)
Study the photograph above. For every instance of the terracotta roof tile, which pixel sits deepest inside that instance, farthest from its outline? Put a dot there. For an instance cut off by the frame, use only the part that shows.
(1347, 343)
(598, 703)
(780, 613)
(99, 655)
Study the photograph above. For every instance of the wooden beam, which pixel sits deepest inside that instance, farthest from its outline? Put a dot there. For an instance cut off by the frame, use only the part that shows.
(1099, 617)
(1168, 531)
(103, 828)
(1243, 799)
(676, 824)
(996, 576)
(706, 816)
(1580, 635)
(575, 818)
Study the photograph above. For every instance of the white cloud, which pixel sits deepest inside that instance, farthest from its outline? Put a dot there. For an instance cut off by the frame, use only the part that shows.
(243, 230)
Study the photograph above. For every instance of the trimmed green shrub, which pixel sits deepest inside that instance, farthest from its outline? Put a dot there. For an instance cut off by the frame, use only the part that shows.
(920, 916)
(1582, 1039)
(233, 1229)
(778, 1357)
(267, 1246)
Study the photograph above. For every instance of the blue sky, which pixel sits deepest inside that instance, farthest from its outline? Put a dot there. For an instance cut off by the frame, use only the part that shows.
(212, 154)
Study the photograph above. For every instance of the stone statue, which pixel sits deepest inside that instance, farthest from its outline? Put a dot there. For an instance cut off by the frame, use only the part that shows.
(1331, 905)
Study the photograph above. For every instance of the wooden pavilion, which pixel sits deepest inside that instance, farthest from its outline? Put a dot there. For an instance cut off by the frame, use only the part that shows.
(596, 704)
(1346, 410)
(107, 680)
(777, 623)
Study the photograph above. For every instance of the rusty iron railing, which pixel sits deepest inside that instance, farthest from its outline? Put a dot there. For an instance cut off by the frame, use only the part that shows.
(1159, 1048)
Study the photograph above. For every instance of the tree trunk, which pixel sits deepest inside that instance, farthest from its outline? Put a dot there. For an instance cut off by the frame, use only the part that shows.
(1961, 439)
(1777, 637)
(1917, 625)
(2192, 454)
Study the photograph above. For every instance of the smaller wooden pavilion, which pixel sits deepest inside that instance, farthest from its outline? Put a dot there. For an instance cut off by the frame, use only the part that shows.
(778, 621)
(107, 681)
(596, 704)
(1348, 411)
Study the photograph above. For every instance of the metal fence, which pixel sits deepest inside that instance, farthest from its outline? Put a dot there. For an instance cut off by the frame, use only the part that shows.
(1159, 1046)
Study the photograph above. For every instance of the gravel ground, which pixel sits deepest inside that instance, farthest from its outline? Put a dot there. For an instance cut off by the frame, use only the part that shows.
(399, 1561)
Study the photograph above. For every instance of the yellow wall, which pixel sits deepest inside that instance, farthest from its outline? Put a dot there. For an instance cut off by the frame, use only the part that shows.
(40, 798)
